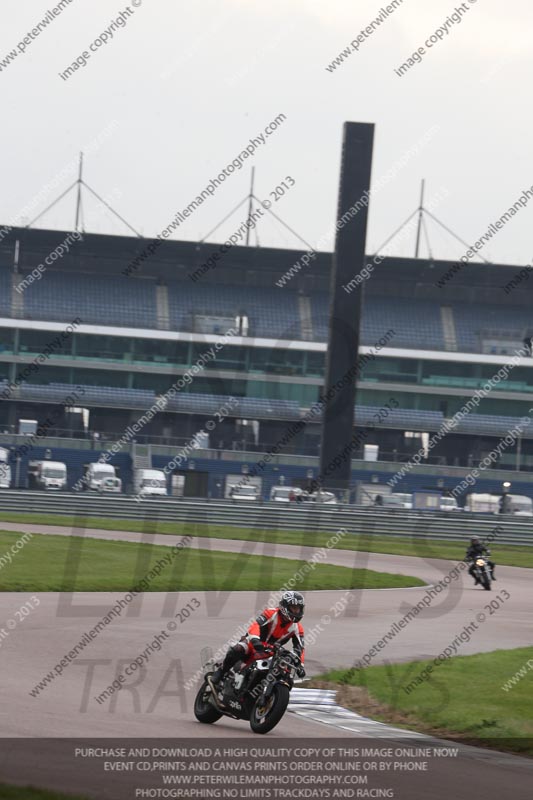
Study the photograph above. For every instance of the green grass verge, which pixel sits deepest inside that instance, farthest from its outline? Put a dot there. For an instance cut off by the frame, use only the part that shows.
(65, 564)
(30, 793)
(462, 698)
(511, 556)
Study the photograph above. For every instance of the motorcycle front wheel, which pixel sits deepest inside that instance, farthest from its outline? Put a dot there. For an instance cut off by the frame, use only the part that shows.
(266, 715)
(203, 709)
(486, 582)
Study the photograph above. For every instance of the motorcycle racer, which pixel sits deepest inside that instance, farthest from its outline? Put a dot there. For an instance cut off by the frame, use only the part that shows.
(273, 626)
(476, 549)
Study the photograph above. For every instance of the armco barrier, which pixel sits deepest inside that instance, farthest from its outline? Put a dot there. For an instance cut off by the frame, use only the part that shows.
(452, 526)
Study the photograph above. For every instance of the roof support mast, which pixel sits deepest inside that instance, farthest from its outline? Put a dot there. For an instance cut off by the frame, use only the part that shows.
(78, 199)
(420, 217)
(78, 224)
(250, 202)
(422, 212)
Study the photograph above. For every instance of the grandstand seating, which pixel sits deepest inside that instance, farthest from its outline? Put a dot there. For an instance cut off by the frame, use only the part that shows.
(192, 403)
(474, 322)
(262, 408)
(247, 407)
(105, 301)
(108, 396)
(406, 418)
(415, 322)
(271, 313)
(493, 425)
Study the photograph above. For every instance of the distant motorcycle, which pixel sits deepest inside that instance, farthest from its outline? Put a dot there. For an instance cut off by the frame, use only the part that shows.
(256, 689)
(482, 572)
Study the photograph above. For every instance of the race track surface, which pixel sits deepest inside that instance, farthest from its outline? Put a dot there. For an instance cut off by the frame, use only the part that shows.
(154, 702)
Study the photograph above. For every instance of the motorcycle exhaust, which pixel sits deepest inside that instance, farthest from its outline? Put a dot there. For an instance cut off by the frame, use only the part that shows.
(220, 706)
(214, 693)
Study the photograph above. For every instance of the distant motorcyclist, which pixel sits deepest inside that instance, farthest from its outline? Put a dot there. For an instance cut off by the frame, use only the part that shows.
(504, 504)
(273, 626)
(476, 549)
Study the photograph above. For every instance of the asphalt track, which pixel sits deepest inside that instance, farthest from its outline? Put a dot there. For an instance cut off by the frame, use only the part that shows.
(155, 703)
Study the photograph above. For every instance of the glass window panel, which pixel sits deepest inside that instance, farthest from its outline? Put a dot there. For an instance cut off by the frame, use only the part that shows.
(35, 342)
(161, 352)
(7, 340)
(98, 346)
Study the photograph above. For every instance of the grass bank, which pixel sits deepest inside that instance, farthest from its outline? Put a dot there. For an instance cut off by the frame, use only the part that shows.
(484, 699)
(512, 556)
(49, 563)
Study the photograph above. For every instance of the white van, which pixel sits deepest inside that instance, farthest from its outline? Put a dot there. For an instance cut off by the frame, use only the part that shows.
(111, 485)
(518, 504)
(282, 494)
(5, 469)
(321, 498)
(47, 475)
(97, 475)
(247, 493)
(149, 482)
(397, 500)
(482, 503)
(448, 504)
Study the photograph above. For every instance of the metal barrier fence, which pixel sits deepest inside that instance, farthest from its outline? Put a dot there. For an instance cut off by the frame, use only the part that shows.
(451, 526)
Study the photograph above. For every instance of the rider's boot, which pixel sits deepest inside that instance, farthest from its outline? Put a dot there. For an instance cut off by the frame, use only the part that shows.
(232, 656)
(217, 675)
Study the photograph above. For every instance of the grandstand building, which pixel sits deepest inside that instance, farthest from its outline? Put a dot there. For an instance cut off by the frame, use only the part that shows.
(229, 361)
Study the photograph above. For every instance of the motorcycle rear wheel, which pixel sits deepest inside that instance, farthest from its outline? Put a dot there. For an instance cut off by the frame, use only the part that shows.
(204, 711)
(264, 718)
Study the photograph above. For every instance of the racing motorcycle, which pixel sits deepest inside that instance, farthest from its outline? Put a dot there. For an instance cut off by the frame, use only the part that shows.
(256, 689)
(482, 572)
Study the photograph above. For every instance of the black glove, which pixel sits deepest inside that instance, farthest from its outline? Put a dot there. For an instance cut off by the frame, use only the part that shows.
(300, 671)
(258, 645)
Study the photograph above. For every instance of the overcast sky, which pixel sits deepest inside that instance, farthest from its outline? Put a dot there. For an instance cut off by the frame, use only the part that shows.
(185, 86)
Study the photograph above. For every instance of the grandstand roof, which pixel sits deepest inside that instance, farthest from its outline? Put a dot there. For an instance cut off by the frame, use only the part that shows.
(254, 266)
